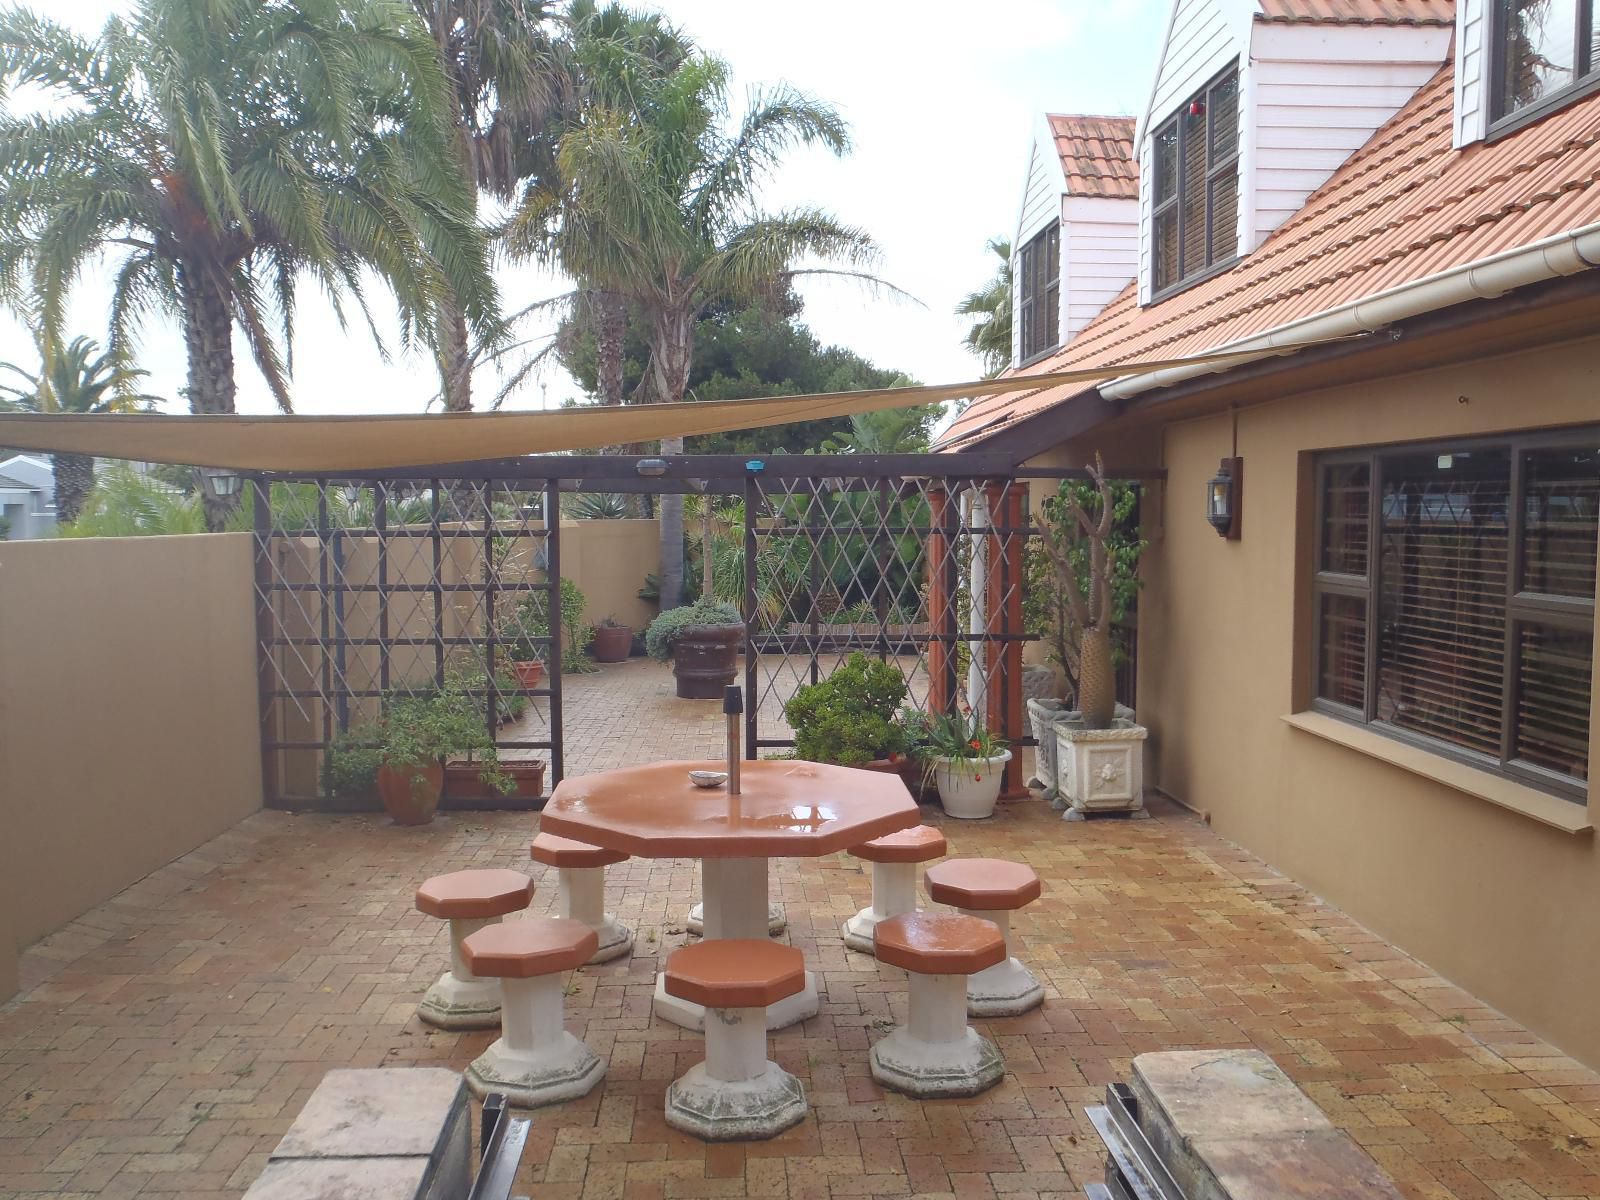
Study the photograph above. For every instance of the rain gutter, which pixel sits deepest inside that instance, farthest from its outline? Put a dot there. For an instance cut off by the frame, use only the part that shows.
(1550, 258)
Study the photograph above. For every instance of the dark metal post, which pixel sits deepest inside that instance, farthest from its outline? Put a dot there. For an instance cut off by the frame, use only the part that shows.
(437, 538)
(266, 648)
(341, 665)
(380, 521)
(491, 583)
(324, 635)
(752, 691)
(552, 573)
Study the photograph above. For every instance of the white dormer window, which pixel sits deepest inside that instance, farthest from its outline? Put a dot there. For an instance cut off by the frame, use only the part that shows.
(1039, 307)
(1195, 214)
(1543, 54)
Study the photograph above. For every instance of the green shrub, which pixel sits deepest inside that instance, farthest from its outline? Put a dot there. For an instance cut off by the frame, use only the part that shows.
(666, 629)
(350, 767)
(531, 620)
(849, 717)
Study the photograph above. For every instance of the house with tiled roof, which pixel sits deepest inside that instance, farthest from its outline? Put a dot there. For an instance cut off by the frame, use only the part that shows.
(1386, 215)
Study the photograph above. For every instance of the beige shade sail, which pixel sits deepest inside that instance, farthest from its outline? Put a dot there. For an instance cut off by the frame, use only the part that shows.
(381, 441)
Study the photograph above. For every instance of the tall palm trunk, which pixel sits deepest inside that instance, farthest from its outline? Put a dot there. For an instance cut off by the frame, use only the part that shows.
(671, 351)
(74, 477)
(455, 357)
(208, 338)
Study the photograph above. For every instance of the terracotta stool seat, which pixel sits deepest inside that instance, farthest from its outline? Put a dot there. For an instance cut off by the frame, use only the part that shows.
(991, 888)
(581, 880)
(535, 1060)
(894, 858)
(737, 1093)
(469, 900)
(936, 1053)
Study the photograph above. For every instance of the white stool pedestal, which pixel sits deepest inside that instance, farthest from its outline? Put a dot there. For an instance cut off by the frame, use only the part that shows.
(1007, 988)
(695, 922)
(737, 1094)
(535, 1061)
(936, 1053)
(582, 892)
(459, 999)
(894, 891)
(736, 907)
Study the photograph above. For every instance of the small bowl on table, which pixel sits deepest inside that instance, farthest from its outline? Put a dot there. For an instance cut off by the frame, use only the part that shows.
(708, 779)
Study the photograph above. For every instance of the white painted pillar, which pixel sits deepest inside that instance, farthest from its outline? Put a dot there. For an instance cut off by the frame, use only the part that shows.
(978, 597)
(736, 1043)
(938, 1013)
(894, 889)
(582, 892)
(530, 1017)
(461, 928)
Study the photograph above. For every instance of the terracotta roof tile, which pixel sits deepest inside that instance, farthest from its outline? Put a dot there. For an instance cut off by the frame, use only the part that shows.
(1358, 12)
(1097, 155)
(1406, 206)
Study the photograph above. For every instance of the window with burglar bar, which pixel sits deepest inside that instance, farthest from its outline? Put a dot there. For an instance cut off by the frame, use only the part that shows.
(1454, 599)
(1039, 309)
(1545, 53)
(1195, 209)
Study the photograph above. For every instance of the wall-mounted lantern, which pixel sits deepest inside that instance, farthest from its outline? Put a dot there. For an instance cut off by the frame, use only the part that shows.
(1222, 497)
(222, 482)
(651, 467)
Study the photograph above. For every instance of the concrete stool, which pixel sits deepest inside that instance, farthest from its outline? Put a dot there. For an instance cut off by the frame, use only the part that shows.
(695, 923)
(991, 888)
(535, 1060)
(469, 900)
(936, 1053)
(894, 860)
(737, 1093)
(581, 874)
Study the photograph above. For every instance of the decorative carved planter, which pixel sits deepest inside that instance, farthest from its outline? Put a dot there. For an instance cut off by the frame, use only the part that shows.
(704, 660)
(1100, 770)
(1042, 717)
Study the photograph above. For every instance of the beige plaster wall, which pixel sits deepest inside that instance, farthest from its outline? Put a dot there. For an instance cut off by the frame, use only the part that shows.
(128, 722)
(1505, 906)
(609, 560)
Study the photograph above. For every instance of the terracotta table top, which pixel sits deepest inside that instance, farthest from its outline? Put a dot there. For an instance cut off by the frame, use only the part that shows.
(786, 809)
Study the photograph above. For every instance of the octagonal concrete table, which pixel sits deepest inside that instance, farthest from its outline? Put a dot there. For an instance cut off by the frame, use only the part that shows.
(786, 809)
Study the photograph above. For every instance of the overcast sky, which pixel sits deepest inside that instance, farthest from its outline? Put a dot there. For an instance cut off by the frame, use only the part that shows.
(942, 99)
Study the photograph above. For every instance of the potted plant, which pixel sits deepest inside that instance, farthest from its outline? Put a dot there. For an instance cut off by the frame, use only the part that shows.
(1099, 750)
(612, 641)
(966, 760)
(849, 718)
(414, 737)
(702, 640)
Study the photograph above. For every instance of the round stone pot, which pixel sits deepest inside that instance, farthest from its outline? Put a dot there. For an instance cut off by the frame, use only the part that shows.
(705, 659)
(611, 643)
(407, 802)
(968, 788)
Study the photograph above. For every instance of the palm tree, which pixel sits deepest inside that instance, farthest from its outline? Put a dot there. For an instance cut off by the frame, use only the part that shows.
(658, 206)
(990, 335)
(508, 79)
(887, 431)
(222, 152)
(77, 379)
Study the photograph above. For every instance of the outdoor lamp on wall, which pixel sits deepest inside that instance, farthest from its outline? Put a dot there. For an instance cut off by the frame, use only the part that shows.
(1222, 497)
(223, 483)
(651, 466)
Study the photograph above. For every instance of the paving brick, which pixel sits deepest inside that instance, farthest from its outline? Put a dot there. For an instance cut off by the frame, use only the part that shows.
(167, 1039)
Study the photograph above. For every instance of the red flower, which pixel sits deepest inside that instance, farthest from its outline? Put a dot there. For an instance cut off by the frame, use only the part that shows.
(974, 744)
(977, 779)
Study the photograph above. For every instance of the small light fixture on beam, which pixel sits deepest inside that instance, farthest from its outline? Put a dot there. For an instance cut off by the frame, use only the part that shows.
(222, 482)
(1222, 498)
(651, 467)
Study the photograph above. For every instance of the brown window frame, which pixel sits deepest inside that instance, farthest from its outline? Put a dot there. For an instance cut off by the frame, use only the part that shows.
(1585, 75)
(1178, 203)
(1039, 290)
(1522, 607)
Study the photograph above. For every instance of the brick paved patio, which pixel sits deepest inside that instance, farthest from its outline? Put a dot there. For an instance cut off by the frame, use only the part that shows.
(164, 1041)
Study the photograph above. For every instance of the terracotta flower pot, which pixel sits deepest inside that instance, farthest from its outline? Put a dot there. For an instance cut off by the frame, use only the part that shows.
(411, 796)
(529, 674)
(704, 660)
(611, 643)
(909, 769)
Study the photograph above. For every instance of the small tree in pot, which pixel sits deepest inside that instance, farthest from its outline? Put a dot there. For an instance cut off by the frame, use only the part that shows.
(702, 640)
(412, 740)
(1100, 753)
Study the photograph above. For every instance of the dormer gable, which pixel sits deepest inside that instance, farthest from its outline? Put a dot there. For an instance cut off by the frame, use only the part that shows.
(1076, 243)
(1254, 105)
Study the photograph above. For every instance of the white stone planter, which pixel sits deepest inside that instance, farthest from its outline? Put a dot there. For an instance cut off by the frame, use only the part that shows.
(968, 787)
(1101, 770)
(1042, 717)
